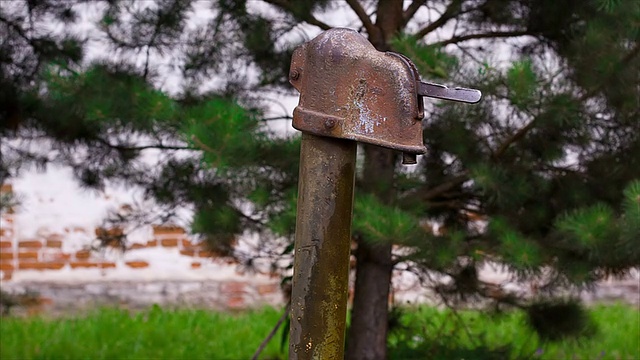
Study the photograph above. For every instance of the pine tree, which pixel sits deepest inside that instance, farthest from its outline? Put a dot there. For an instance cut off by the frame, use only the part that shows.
(543, 176)
(104, 118)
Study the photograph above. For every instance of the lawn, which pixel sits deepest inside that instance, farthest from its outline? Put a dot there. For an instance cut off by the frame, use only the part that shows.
(428, 333)
(422, 333)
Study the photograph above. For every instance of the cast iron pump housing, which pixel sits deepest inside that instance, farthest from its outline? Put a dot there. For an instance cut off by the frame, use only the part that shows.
(350, 90)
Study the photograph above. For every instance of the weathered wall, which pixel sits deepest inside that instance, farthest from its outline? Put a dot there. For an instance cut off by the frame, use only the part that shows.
(163, 265)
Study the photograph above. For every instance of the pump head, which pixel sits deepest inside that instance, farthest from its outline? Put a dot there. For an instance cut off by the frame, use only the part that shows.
(350, 90)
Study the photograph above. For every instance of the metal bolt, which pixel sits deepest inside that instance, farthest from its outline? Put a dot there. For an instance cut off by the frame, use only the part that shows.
(329, 123)
(294, 75)
(409, 159)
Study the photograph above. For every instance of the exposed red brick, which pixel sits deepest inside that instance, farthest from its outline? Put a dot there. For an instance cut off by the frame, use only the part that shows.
(46, 301)
(268, 289)
(5, 244)
(137, 246)
(474, 216)
(7, 275)
(57, 256)
(34, 311)
(53, 244)
(168, 230)
(40, 265)
(83, 254)
(235, 302)
(137, 264)
(115, 243)
(169, 242)
(206, 254)
(55, 265)
(233, 287)
(35, 244)
(196, 265)
(6, 188)
(79, 229)
(186, 243)
(2, 231)
(188, 252)
(6, 256)
(232, 261)
(56, 236)
(107, 265)
(5, 266)
(152, 243)
(109, 233)
(30, 255)
(37, 306)
(83, 264)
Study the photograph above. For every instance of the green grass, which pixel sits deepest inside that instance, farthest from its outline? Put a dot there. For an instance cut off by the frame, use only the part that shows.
(155, 334)
(428, 333)
(423, 333)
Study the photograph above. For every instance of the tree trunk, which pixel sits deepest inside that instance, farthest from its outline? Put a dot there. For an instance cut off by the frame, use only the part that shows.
(367, 337)
(368, 332)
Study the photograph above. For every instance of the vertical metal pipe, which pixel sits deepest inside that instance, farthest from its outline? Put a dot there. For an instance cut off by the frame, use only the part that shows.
(322, 245)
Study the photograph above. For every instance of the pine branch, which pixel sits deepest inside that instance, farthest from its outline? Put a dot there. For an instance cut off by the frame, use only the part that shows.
(444, 187)
(151, 43)
(515, 137)
(29, 155)
(623, 62)
(308, 18)
(18, 29)
(412, 9)
(283, 117)
(487, 35)
(154, 146)
(498, 294)
(246, 217)
(203, 146)
(362, 15)
(524, 130)
(35, 45)
(426, 193)
(143, 147)
(273, 331)
(450, 12)
(630, 55)
(120, 43)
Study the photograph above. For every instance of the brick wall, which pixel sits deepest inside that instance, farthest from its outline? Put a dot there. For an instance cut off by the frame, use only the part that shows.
(157, 269)
(160, 267)
(46, 253)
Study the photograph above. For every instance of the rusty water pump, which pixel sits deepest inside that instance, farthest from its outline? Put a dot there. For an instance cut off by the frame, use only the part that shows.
(349, 92)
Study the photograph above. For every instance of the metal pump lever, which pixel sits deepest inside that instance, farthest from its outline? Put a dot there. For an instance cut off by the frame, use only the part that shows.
(438, 91)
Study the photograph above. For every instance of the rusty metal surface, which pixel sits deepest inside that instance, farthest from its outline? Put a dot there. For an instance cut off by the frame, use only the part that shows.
(322, 245)
(350, 90)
